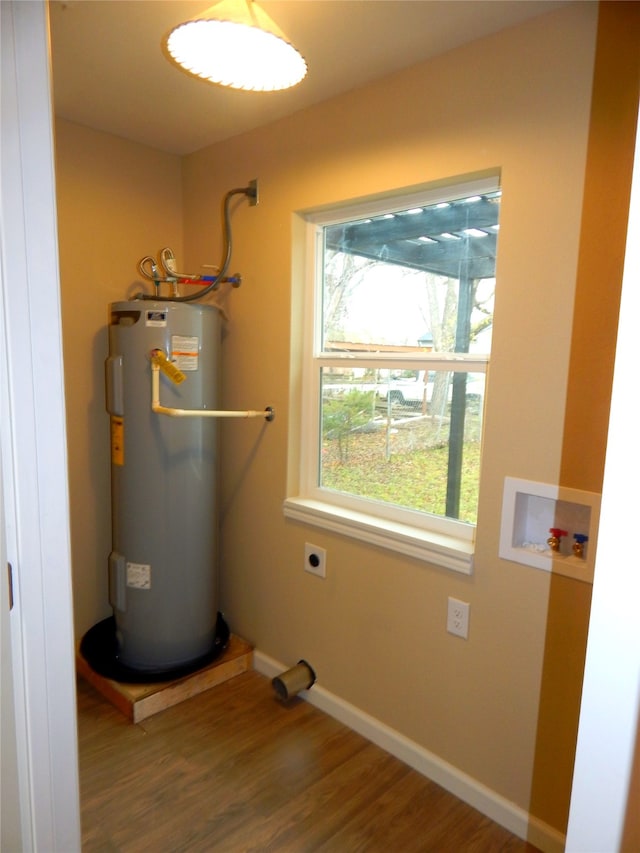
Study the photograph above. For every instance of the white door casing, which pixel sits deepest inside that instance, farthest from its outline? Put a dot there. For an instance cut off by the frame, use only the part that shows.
(33, 446)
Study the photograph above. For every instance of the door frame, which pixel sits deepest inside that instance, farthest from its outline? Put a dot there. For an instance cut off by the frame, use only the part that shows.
(33, 444)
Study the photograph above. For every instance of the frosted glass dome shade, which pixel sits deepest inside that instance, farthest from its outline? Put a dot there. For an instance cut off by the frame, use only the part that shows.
(236, 53)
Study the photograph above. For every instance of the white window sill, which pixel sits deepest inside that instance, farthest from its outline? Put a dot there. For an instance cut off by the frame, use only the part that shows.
(434, 548)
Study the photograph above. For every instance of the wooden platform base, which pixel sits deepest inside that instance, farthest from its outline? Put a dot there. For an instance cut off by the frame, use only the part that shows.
(139, 701)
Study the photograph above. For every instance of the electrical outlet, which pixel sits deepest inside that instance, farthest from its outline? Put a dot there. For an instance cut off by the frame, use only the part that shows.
(458, 617)
(315, 560)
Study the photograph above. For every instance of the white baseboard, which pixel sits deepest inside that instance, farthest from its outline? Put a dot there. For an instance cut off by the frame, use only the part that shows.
(466, 788)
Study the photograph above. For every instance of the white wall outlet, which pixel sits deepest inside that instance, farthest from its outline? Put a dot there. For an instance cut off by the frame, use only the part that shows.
(458, 617)
(315, 560)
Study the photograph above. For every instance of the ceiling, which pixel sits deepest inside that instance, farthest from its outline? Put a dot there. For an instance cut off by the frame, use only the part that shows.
(109, 72)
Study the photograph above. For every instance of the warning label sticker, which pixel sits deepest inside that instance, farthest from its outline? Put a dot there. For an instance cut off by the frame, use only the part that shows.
(139, 575)
(156, 318)
(117, 441)
(184, 352)
(167, 367)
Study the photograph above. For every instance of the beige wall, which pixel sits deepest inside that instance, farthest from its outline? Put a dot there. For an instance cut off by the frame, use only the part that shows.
(117, 201)
(374, 630)
(614, 110)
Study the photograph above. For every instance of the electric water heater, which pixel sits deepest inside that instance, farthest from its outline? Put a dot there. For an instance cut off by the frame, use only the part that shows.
(163, 563)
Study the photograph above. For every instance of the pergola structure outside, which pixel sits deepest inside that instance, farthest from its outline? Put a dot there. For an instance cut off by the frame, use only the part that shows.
(456, 239)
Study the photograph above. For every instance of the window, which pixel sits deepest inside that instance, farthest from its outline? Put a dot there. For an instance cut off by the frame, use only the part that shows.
(397, 348)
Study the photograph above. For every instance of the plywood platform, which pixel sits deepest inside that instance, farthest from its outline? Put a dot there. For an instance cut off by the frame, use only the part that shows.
(139, 701)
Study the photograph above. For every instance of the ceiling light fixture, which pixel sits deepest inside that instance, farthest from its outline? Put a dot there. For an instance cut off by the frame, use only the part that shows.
(235, 43)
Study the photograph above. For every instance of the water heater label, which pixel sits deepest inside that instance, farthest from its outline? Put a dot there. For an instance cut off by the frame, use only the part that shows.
(167, 367)
(117, 441)
(184, 352)
(156, 318)
(139, 575)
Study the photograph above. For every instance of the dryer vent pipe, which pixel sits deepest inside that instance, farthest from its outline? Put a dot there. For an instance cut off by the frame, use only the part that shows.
(289, 683)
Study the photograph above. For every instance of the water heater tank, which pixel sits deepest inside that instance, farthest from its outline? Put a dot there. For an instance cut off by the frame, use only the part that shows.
(163, 563)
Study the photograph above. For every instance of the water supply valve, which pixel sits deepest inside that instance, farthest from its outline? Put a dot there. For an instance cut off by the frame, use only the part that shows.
(578, 545)
(556, 538)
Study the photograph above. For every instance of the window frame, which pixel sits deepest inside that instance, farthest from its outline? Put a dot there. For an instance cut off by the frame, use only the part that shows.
(441, 541)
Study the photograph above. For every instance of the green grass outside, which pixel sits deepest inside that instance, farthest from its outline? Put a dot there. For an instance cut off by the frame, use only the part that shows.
(413, 477)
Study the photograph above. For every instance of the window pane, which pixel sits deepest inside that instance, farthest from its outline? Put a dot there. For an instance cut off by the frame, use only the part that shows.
(395, 286)
(406, 438)
(421, 279)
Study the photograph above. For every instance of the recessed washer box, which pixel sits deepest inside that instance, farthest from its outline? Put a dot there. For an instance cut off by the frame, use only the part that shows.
(530, 509)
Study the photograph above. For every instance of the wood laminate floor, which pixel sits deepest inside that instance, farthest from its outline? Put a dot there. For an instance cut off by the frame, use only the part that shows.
(234, 770)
